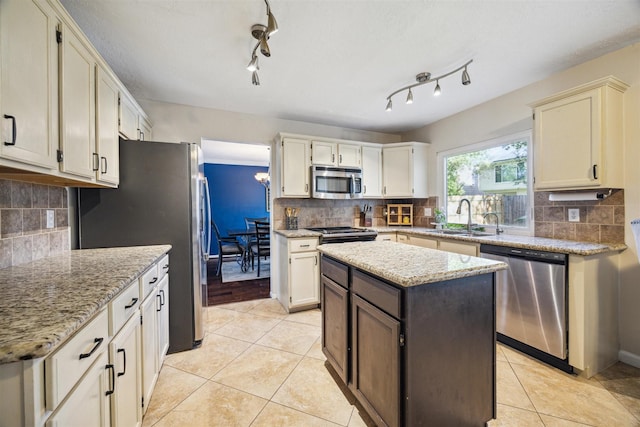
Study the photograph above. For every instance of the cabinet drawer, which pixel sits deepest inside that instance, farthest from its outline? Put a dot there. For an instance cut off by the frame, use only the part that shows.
(378, 293)
(64, 368)
(148, 281)
(302, 245)
(122, 307)
(163, 267)
(335, 271)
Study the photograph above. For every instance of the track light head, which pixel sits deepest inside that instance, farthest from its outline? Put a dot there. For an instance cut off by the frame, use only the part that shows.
(389, 105)
(410, 97)
(254, 79)
(465, 77)
(437, 90)
(253, 65)
(264, 47)
(272, 24)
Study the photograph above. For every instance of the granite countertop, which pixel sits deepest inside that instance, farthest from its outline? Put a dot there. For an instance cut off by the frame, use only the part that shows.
(42, 303)
(408, 265)
(292, 234)
(516, 241)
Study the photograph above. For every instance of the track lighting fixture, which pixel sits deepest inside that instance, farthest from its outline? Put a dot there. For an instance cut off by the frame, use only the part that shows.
(424, 78)
(261, 33)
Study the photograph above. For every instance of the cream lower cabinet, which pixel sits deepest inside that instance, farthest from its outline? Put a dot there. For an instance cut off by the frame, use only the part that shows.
(448, 245)
(124, 353)
(299, 270)
(422, 241)
(387, 237)
(150, 370)
(162, 318)
(458, 247)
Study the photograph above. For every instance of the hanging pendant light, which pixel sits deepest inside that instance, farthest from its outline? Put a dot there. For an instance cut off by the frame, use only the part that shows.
(410, 97)
(465, 77)
(436, 91)
(389, 106)
(253, 65)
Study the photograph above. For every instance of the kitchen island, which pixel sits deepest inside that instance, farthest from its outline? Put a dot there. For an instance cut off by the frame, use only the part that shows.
(411, 331)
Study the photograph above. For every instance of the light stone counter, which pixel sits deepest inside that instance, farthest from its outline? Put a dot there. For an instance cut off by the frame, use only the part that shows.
(516, 241)
(44, 302)
(292, 234)
(408, 265)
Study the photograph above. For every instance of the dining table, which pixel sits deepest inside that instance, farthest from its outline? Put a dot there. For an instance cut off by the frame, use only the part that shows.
(245, 233)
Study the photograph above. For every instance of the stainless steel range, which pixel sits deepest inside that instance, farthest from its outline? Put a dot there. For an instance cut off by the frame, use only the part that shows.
(344, 234)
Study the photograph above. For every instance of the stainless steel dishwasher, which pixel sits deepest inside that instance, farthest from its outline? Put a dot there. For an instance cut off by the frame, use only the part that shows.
(531, 302)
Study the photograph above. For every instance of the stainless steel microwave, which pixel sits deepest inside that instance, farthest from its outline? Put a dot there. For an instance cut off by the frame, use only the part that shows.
(328, 182)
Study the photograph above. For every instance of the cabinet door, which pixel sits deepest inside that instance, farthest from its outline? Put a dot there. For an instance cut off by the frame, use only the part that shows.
(375, 349)
(29, 82)
(295, 167)
(162, 310)
(424, 242)
(459, 247)
(323, 153)
(397, 171)
(88, 403)
(568, 129)
(107, 145)
(335, 326)
(386, 237)
(126, 409)
(371, 171)
(349, 155)
(149, 348)
(304, 279)
(78, 118)
(128, 123)
(144, 129)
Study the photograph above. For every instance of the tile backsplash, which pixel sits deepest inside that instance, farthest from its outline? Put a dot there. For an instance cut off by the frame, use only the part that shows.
(23, 219)
(600, 221)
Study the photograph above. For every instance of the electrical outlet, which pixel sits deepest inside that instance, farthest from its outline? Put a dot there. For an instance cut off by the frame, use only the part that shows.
(427, 211)
(50, 218)
(574, 215)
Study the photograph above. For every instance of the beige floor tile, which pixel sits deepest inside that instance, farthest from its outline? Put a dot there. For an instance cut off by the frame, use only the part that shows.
(289, 336)
(308, 317)
(359, 419)
(514, 356)
(259, 370)
(248, 327)
(243, 306)
(215, 353)
(173, 387)
(217, 318)
(215, 405)
(509, 390)
(311, 389)
(269, 308)
(550, 421)
(274, 415)
(500, 354)
(555, 393)
(515, 417)
(316, 350)
(623, 381)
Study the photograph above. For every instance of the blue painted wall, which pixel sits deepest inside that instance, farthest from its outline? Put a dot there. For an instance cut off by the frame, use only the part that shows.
(235, 194)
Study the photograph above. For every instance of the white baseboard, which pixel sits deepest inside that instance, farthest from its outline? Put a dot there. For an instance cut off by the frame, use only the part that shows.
(629, 358)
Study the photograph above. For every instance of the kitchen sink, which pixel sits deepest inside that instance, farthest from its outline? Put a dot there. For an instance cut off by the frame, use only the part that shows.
(464, 233)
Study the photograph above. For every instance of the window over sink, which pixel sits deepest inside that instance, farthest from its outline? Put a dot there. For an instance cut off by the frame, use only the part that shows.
(495, 176)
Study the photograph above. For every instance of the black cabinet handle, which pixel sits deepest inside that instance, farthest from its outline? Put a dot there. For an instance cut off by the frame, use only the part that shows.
(103, 163)
(97, 342)
(14, 130)
(113, 379)
(595, 171)
(159, 306)
(131, 304)
(154, 280)
(165, 267)
(95, 161)
(162, 300)
(124, 359)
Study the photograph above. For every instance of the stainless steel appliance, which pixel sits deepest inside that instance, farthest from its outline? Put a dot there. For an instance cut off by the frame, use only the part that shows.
(531, 302)
(329, 182)
(162, 199)
(344, 234)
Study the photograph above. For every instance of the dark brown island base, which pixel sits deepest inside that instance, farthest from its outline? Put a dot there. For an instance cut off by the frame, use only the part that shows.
(411, 332)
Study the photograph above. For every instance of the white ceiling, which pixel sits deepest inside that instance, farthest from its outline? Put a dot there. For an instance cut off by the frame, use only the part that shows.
(234, 153)
(334, 62)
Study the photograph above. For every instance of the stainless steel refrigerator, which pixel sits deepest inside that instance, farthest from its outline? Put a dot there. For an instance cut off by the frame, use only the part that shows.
(162, 198)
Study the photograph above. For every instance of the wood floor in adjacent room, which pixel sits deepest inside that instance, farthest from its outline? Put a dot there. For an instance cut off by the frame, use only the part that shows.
(224, 293)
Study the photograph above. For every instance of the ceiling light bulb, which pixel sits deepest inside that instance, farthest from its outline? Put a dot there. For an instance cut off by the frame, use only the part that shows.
(465, 77)
(253, 65)
(436, 91)
(410, 97)
(254, 79)
(389, 105)
(264, 47)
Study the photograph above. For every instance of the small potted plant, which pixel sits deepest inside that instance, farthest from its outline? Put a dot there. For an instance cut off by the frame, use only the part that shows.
(440, 218)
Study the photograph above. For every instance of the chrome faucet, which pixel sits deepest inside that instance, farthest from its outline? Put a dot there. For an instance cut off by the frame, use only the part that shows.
(459, 210)
(498, 230)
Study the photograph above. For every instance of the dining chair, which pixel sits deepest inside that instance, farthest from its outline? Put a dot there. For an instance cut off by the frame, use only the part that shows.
(250, 224)
(226, 246)
(262, 246)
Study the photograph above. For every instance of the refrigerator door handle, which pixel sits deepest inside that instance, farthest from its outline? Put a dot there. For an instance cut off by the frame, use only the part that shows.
(208, 222)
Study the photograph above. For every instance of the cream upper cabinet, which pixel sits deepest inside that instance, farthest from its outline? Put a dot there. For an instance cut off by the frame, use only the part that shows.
(328, 153)
(349, 155)
(295, 163)
(578, 137)
(144, 129)
(29, 82)
(404, 170)
(371, 171)
(128, 124)
(77, 115)
(107, 145)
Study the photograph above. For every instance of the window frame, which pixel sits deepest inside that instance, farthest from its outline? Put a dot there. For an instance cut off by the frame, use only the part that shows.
(527, 135)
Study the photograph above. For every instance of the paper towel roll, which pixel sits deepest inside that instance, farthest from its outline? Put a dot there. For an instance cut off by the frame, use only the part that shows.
(581, 196)
(635, 227)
